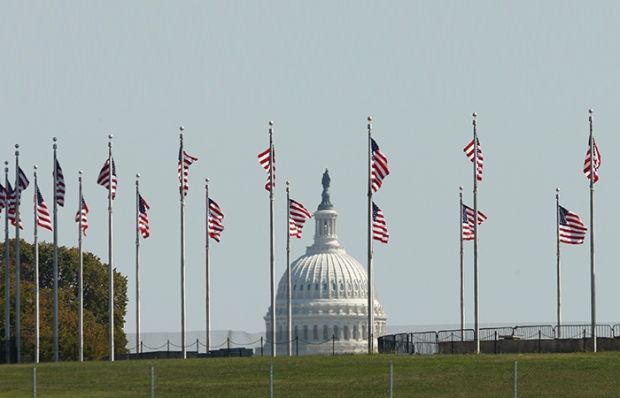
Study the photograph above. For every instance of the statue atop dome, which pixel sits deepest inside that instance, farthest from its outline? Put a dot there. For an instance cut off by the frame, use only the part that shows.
(326, 203)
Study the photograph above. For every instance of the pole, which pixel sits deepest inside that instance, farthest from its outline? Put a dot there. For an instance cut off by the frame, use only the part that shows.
(110, 263)
(391, 383)
(18, 266)
(271, 380)
(557, 248)
(476, 272)
(138, 264)
(462, 282)
(7, 274)
(34, 382)
(182, 201)
(272, 243)
(371, 311)
(514, 379)
(36, 270)
(80, 276)
(289, 310)
(592, 269)
(55, 232)
(152, 381)
(207, 269)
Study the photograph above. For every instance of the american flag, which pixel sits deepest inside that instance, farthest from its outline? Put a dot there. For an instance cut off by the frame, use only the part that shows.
(379, 166)
(379, 227)
(587, 167)
(143, 218)
(469, 152)
(43, 215)
(11, 203)
(60, 185)
(264, 159)
(22, 181)
(82, 214)
(298, 215)
(215, 219)
(3, 198)
(572, 229)
(185, 160)
(104, 177)
(468, 222)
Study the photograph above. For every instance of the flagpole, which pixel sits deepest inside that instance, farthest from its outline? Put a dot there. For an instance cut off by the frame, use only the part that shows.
(137, 264)
(476, 271)
(80, 277)
(110, 264)
(182, 203)
(36, 270)
(462, 283)
(557, 244)
(592, 269)
(55, 207)
(207, 271)
(18, 265)
(289, 312)
(7, 271)
(272, 243)
(371, 312)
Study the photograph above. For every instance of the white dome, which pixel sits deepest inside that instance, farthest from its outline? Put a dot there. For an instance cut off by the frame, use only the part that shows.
(329, 290)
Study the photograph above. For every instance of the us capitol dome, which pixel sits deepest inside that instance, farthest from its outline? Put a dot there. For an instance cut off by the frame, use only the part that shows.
(329, 295)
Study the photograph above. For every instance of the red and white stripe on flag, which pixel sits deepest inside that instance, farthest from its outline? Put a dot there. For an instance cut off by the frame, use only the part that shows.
(379, 166)
(43, 215)
(298, 215)
(143, 218)
(469, 152)
(185, 160)
(82, 214)
(572, 230)
(215, 221)
(379, 226)
(469, 220)
(60, 185)
(265, 159)
(592, 163)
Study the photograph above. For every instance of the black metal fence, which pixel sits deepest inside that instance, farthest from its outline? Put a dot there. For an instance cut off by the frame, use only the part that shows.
(427, 343)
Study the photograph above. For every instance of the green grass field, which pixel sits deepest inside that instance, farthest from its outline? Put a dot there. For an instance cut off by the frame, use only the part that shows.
(540, 375)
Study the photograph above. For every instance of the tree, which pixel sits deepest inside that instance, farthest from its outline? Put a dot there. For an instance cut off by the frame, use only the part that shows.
(95, 302)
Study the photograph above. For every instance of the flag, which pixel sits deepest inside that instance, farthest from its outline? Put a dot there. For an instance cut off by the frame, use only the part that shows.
(185, 160)
(82, 214)
(143, 218)
(264, 159)
(379, 227)
(43, 214)
(22, 181)
(379, 166)
(469, 151)
(104, 177)
(60, 185)
(3, 198)
(595, 164)
(298, 215)
(11, 203)
(214, 220)
(468, 222)
(572, 229)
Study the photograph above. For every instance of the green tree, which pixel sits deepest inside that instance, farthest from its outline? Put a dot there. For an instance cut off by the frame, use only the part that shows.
(95, 302)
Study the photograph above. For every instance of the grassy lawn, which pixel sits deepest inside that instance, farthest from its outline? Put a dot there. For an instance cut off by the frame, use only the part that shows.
(540, 375)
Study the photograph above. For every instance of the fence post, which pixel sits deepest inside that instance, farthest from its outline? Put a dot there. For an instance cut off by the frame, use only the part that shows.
(391, 384)
(495, 338)
(228, 345)
(514, 380)
(271, 380)
(261, 346)
(152, 381)
(333, 344)
(168, 348)
(141, 348)
(197, 347)
(297, 345)
(34, 382)
(584, 340)
(539, 341)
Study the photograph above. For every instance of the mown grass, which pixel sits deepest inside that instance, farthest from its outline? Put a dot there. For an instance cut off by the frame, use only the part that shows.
(540, 375)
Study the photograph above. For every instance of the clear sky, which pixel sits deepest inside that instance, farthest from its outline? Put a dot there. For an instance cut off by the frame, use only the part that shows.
(80, 70)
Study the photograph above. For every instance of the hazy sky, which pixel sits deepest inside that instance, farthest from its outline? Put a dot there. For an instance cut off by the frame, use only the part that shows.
(80, 70)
